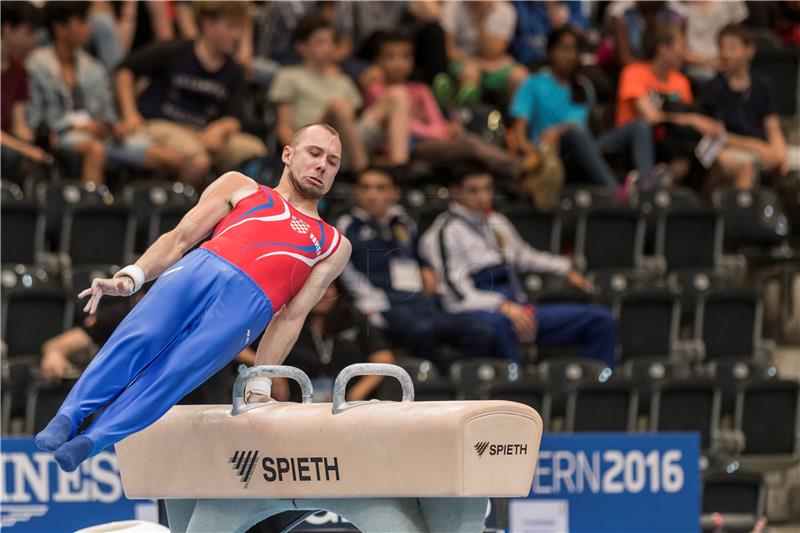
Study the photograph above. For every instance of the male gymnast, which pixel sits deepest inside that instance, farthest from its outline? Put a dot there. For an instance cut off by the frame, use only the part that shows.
(268, 262)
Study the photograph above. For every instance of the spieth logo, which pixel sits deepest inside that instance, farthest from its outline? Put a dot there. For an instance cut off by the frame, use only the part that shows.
(244, 463)
(481, 447)
(500, 449)
(300, 226)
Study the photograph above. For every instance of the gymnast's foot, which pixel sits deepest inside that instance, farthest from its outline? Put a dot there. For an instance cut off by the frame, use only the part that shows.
(72, 453)
(57, 432)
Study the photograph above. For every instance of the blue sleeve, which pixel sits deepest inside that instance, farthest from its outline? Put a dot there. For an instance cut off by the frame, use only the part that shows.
(577, 18)
(523, 104)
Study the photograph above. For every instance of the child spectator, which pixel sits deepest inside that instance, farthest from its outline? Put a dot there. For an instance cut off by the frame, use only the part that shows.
(317, 91)
(655, 90)
(432, 138)
(551, 109)
(743, 103)
(478, 35)
(70, 95)
(194, 101)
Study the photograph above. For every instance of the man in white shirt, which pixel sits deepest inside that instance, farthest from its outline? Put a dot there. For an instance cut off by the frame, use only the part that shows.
(477, 254)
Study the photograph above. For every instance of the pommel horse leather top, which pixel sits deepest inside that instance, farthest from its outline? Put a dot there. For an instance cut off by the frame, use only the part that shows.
(303, 450)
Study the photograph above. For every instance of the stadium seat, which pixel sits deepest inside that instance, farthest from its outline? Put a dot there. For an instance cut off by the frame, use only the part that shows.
(428, 384)
(144, 197)
(98, 235)
(610, 406)
(473, 376)
(540, 230)
(655, 202)
(32, 316)
(690, 239)
(609, 239)
(732, 502)
(692, 285)
(647, 373)
(22, 233)
(44, 399)
(528, 390)
(691, 404)
(575, 201)
(427, 214)
(165, 219)
(731, 373)
(649, 323)
(729, 324)
(57, 197)
(768, 413)
(753, 218)
(562, 373)
(612, 285)
(10, 192)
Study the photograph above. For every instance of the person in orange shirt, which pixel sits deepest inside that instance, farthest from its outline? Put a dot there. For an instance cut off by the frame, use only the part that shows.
(657, 92)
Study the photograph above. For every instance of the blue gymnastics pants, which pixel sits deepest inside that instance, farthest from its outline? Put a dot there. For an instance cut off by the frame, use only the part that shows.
(195, 319)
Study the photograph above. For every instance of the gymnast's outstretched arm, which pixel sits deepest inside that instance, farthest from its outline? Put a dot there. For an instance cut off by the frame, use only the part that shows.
(216, 202)
(283, 330)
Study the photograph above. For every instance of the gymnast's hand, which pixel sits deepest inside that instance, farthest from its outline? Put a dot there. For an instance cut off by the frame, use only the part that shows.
(121, 286)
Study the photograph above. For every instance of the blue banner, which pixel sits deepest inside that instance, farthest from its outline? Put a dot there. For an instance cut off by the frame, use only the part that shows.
(39, 497)
(585, 483)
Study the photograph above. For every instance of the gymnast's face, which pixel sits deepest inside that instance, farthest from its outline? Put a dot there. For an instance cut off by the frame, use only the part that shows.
(313, 161)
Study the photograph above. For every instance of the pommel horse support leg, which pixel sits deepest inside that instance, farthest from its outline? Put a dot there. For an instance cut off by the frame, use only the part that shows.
(384, 466)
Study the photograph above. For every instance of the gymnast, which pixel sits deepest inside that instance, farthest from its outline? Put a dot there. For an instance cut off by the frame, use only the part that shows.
(268, 262)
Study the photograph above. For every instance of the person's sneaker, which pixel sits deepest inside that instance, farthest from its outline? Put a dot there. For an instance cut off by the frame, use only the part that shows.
(627, 193)
(57, 432)
(544, 178)
(72, 453)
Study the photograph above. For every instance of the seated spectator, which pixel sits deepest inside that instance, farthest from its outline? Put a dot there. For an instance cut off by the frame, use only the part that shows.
(655, 91)
(193, 104)
(704, 20)
(743, 103)
(477, 35)
(476, 254)
(424, 18)
(551, 110)
(389, 282)
(432, 138)
(536, 20)
(70, 95)
(630, 22)
(317, 91)
(334, 336)
(20, 21)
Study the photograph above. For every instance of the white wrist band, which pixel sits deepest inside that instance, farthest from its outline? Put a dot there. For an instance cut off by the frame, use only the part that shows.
(134, 272)
(262, 386)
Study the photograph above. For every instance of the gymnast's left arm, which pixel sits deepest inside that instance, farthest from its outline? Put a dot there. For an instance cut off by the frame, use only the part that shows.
(282, 332)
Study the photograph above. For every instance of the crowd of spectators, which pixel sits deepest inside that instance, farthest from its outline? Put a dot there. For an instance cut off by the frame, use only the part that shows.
(625, 95)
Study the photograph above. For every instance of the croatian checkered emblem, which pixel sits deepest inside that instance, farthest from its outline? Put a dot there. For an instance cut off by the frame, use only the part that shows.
(300, 226)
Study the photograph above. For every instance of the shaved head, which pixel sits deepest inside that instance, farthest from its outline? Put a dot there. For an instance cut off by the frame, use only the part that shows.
(298, 136)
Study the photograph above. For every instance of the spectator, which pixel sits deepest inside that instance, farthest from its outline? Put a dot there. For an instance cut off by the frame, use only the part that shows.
(20, 21)
(630, 22)
(477, 253)
(424, 17)
(704, 20)
(433, 139)
(70, 95)
(317, 91)
(193, 104)
(335, 336)
(743, 103)
(654, 90)
(551, 110)
(478, 35)
(390, 283)
(536, 20)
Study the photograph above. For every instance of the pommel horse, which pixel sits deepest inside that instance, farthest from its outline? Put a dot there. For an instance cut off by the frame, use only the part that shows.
(384, 466)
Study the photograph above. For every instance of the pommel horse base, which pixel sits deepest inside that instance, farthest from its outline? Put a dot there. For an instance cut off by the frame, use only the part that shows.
(384, 466)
